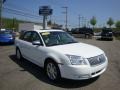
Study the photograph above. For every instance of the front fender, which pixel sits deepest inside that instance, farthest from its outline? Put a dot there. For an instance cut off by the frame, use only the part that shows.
(59, 58)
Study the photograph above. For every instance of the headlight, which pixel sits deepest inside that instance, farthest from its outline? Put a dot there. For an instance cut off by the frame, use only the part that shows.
(76, 60)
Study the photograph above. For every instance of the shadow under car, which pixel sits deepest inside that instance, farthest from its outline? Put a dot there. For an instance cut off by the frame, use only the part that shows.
(35, 71)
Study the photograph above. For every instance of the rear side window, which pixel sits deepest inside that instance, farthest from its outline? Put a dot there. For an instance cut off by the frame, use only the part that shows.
(31, 36)
(27, 37)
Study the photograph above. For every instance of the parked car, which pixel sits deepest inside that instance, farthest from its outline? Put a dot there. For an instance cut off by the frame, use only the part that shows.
(87, 32)
(61, 55)
(83, 32)
(7, 36)
(107, 34)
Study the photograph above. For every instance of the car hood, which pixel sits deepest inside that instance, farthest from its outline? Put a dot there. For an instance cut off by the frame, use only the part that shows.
(5, 35)
(79, 49)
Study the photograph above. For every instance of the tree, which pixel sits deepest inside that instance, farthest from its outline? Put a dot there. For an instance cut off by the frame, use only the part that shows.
(93, 21)
(110, 22)
(14, 24)
(117, 24)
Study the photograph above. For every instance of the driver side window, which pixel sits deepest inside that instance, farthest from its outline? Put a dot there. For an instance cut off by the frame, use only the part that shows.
(36, 37)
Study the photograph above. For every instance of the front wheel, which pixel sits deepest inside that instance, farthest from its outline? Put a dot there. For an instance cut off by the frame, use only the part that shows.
(52, 71)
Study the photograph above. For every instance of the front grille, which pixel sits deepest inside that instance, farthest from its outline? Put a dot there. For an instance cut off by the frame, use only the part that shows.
(96, 72)
(97, 60)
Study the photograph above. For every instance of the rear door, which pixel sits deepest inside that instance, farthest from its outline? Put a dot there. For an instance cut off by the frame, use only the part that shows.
(36, 53)
(25, 44)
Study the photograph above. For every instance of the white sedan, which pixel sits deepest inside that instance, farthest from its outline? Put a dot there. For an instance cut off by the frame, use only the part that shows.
(61, 55)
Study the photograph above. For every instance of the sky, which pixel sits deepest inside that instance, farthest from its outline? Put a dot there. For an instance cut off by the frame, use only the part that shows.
(101, 9)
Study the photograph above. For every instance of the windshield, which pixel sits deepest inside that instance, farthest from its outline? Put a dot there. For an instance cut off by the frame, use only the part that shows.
(57, 38)
(106, 31)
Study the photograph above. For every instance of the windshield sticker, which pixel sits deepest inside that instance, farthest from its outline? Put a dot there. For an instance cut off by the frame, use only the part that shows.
(45, 33)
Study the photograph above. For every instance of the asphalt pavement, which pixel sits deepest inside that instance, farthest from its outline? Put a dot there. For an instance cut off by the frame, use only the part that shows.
(17, 75)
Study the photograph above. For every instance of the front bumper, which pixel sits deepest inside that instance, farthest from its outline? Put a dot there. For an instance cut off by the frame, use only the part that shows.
(105, 37)
(79, 72)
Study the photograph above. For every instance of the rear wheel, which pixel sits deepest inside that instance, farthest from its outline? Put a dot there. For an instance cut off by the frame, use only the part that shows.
(18, 54)
(52, 71)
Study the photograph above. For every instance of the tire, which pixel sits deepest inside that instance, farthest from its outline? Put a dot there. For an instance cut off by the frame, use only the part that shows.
(18, 54)
(52, 71)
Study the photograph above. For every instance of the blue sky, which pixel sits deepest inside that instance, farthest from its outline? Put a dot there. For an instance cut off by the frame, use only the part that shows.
(101, 9)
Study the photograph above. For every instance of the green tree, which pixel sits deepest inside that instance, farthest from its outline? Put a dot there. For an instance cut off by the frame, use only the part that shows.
(110, 22)
(117, 24)
(14, 24)
(93, 21)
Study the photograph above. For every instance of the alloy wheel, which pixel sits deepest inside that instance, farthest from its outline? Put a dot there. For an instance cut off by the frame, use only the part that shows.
(51, 71)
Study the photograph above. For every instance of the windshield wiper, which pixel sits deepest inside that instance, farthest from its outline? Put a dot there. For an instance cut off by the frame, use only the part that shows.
(53, 44)
(70, 42)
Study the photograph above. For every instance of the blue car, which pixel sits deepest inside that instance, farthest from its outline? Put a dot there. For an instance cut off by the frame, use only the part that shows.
(7, 36)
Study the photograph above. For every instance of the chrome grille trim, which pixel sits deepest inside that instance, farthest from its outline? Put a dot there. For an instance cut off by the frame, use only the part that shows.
(97, 60)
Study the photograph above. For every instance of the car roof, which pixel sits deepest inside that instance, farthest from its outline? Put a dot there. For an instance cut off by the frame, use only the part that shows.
(49, 30)
(6, 31)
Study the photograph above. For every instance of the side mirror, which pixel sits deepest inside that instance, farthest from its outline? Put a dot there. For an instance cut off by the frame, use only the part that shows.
(36, 43)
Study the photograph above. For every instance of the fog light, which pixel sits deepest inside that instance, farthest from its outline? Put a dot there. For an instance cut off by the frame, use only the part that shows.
(82, 76)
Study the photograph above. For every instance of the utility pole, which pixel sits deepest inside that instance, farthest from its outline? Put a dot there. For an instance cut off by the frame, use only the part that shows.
(13, 26)
(88, 24)
(82, 21)
(85, 22)
(1, 5)
(79, 21)
(1, 2)
(66, 17)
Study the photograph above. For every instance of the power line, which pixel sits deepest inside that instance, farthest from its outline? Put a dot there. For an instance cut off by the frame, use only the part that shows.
(21, 14)
(17, 7)
(20, 11)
